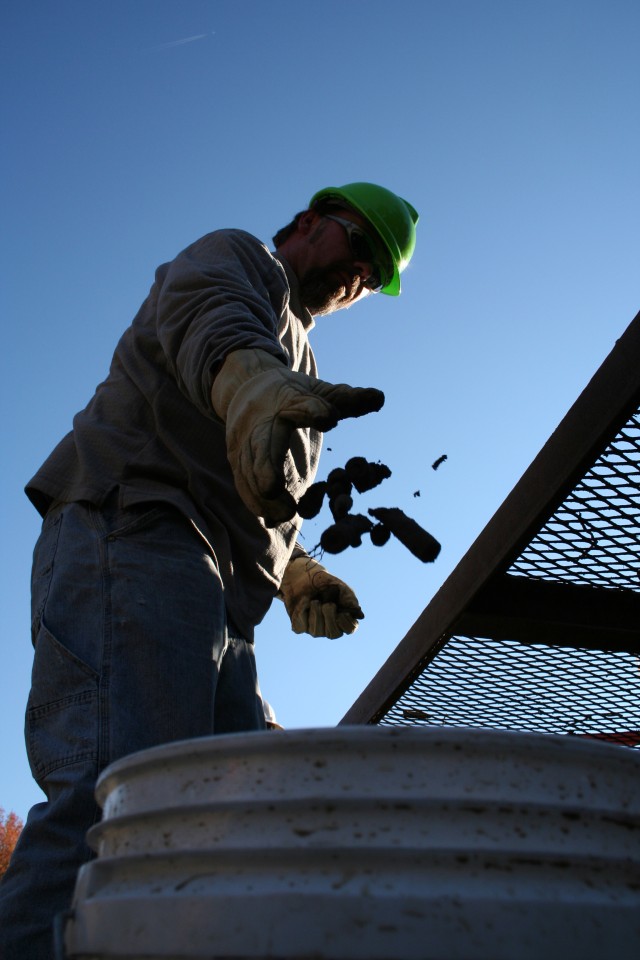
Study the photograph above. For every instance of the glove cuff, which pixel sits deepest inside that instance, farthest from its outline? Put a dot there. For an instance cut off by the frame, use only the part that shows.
(299, 567)
(238, 368)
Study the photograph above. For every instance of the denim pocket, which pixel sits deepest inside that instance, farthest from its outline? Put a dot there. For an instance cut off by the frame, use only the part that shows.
(62, 710)
(133, 519)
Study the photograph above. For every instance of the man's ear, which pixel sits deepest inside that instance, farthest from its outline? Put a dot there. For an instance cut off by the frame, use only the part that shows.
(307, 222)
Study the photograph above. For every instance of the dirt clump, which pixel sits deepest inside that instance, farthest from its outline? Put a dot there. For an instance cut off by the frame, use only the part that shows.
(348, 528)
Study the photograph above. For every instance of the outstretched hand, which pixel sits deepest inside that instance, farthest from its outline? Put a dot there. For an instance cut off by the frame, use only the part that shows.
(263, 412)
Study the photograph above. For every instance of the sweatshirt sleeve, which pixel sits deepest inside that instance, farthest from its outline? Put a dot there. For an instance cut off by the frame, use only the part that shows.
(223, 293)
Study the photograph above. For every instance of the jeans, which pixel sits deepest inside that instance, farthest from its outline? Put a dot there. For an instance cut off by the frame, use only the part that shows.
(132, 649)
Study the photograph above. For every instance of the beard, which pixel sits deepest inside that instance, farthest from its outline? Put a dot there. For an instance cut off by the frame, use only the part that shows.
(323, 290)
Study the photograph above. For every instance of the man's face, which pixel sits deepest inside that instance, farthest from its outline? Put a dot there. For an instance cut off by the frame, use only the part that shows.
(331, 277)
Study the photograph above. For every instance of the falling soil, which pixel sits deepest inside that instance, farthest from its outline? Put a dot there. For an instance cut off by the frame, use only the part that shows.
(366, 475)
(310, 504)
(348, 528)
(379, 535)
(421, 544)
(346, 532)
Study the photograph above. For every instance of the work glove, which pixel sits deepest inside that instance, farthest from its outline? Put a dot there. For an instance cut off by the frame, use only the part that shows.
(317, 602)
(262, 403)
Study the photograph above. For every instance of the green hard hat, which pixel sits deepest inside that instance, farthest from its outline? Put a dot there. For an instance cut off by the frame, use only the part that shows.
(393, 218)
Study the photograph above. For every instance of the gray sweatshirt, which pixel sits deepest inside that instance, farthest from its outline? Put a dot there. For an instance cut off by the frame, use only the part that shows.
(150, 432)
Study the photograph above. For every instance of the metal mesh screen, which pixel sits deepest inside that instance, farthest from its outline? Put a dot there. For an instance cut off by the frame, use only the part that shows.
(509, 685)
(592, 539)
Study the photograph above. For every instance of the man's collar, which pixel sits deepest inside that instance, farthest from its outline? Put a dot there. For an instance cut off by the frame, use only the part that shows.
(295, 303)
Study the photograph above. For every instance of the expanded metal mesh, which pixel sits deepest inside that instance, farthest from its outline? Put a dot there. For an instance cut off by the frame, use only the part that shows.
(593, 538)
(509, 685)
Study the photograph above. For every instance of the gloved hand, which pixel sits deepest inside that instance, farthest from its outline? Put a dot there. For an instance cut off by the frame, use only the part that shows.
(262, 402)
(317, 602)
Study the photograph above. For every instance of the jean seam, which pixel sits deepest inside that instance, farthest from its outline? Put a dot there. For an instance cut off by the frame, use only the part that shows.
(37, 713)
(44, 771)
(100, 526)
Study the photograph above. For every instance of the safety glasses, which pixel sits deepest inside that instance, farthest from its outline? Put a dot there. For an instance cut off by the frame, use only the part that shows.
(362, 249)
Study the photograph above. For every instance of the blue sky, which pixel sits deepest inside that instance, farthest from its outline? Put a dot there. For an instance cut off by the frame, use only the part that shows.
(132, 128)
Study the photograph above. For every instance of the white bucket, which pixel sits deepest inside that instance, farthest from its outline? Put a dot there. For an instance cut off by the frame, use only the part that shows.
(365, 843)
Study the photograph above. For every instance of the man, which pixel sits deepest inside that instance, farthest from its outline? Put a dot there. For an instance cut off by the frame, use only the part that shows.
(170, 518)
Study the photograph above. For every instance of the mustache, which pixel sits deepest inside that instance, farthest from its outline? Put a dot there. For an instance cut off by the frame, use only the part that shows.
(340, 273)
(326, 289)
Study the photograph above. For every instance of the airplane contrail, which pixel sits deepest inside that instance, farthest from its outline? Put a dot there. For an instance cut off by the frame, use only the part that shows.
(179, 43)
